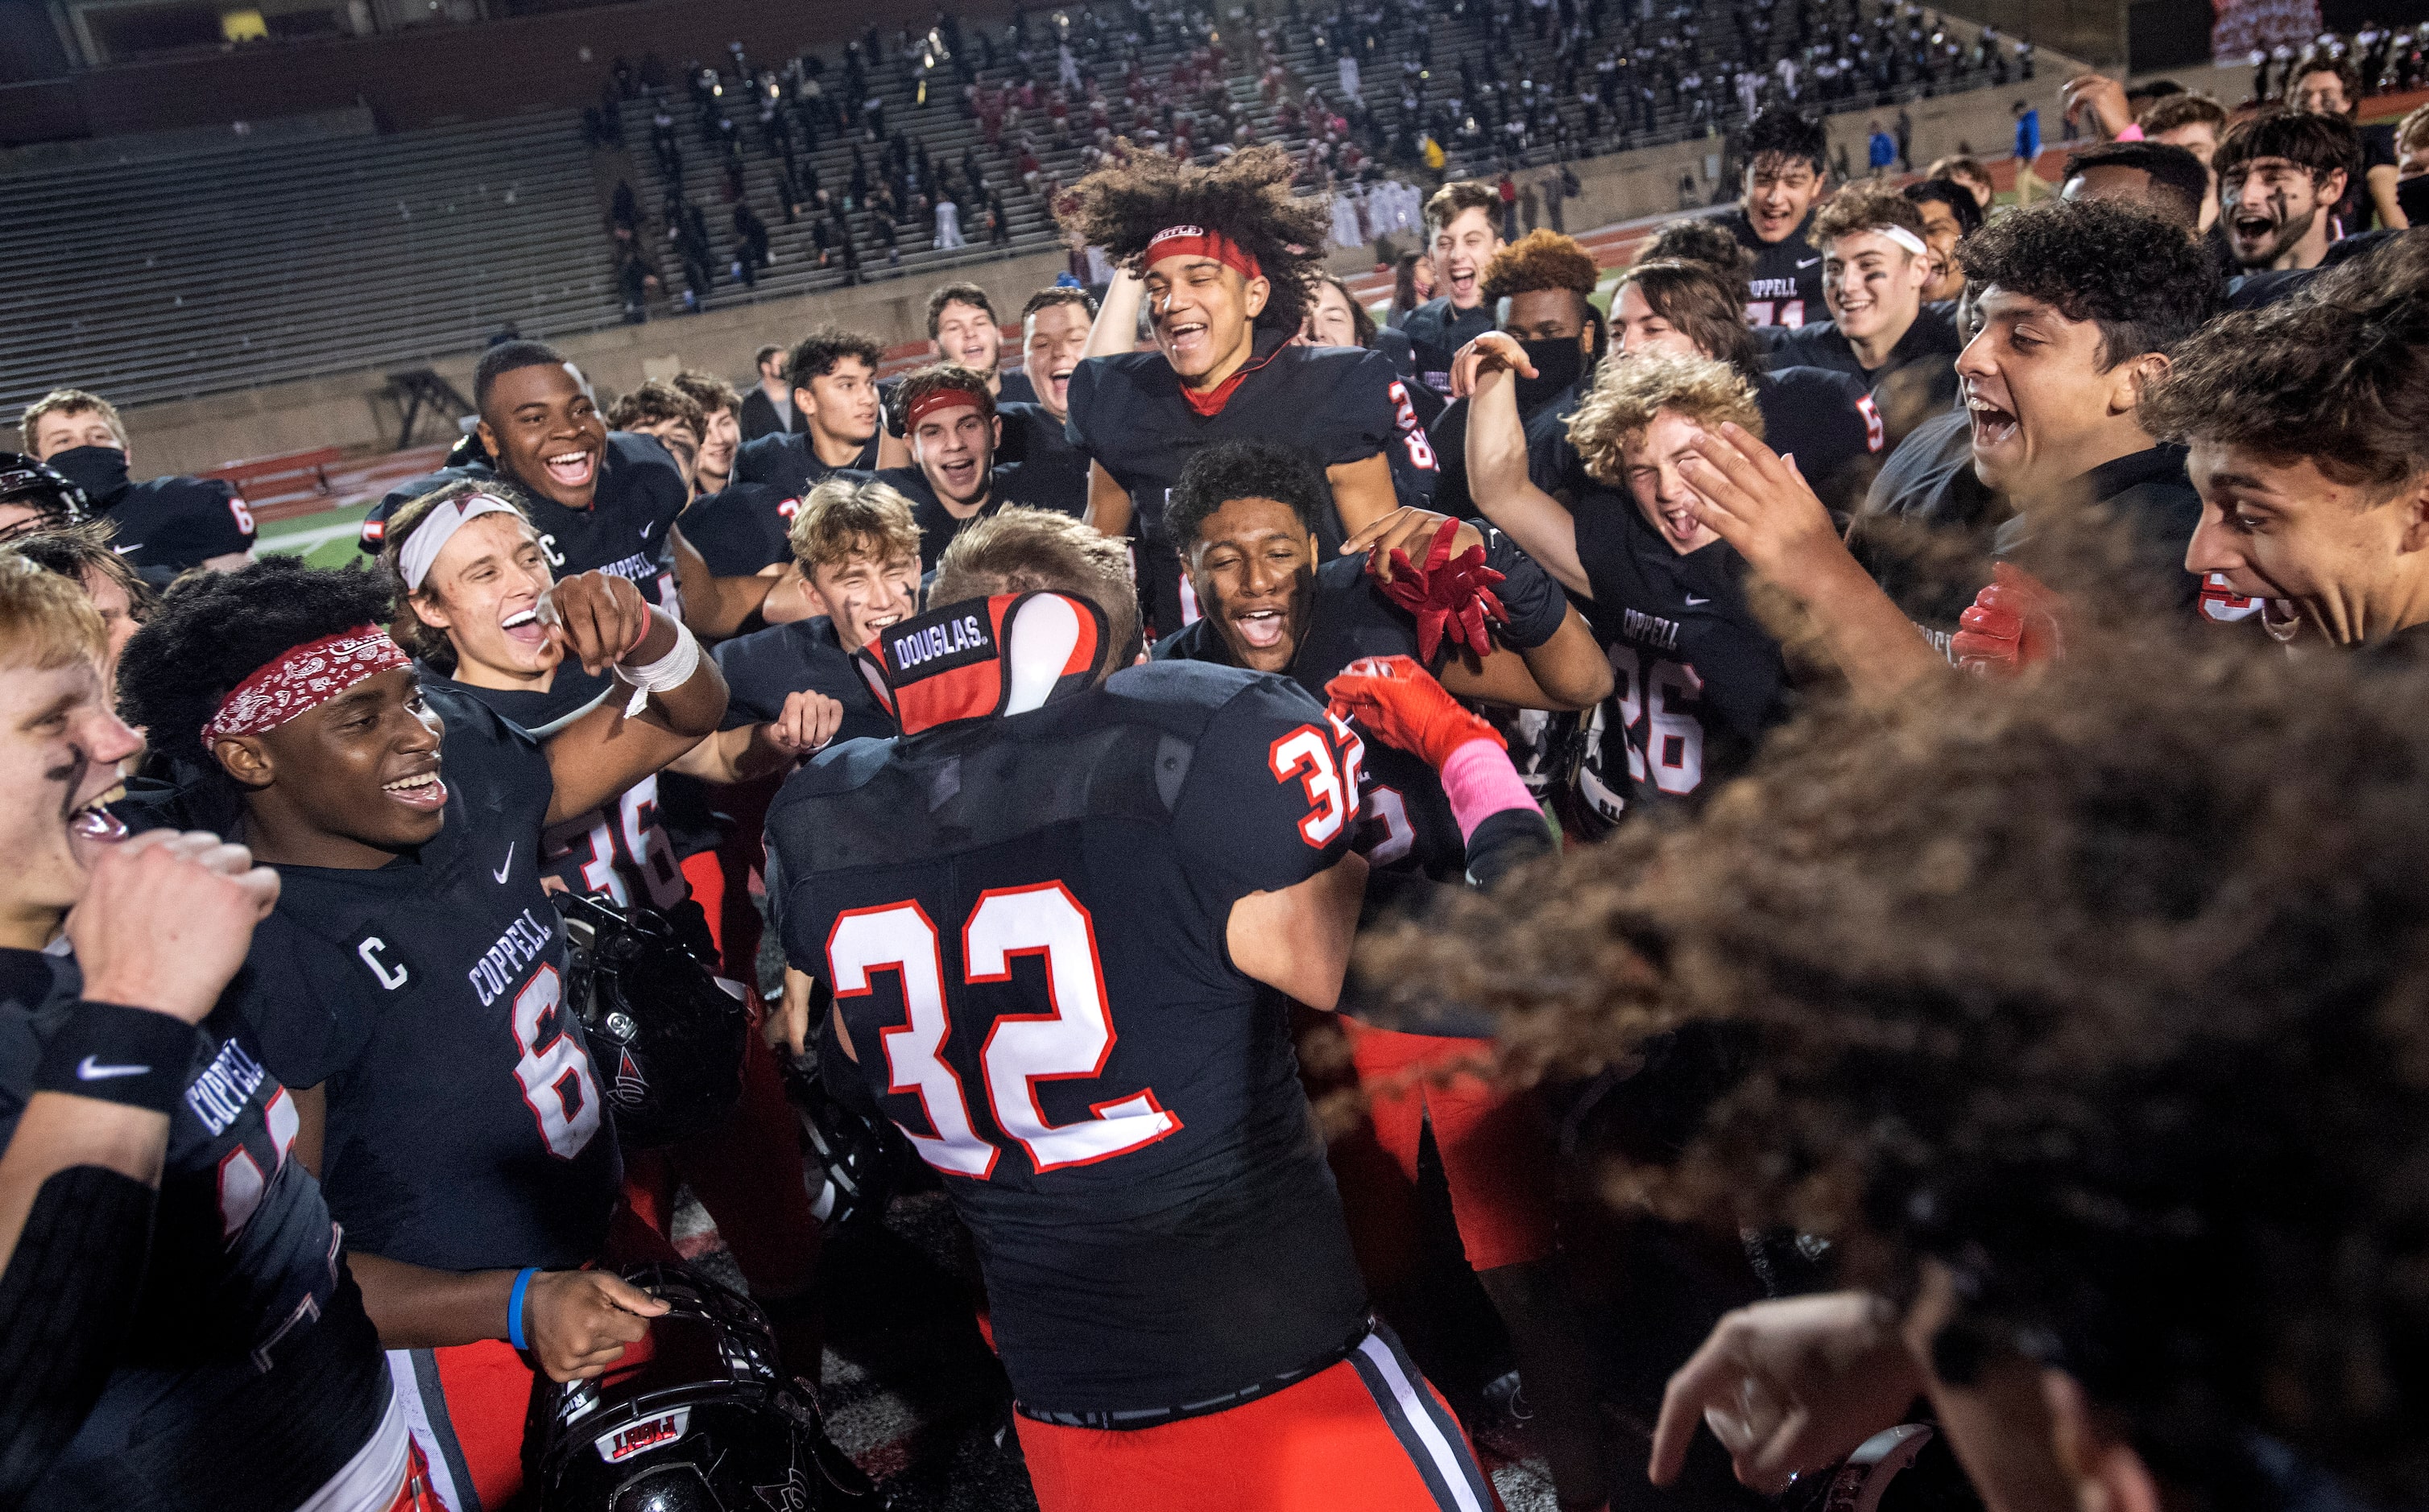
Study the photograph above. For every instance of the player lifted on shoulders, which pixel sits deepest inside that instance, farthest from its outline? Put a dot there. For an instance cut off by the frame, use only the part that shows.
(1062, 914)
(1221, 252)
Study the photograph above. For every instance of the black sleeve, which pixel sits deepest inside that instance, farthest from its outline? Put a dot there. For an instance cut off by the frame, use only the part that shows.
(734, 530)
(1504, 841)
(67, 1300)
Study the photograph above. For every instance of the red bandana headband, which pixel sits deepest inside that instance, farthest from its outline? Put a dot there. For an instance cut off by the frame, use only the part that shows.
(303, 680)
(1196, 241)
(935, 400)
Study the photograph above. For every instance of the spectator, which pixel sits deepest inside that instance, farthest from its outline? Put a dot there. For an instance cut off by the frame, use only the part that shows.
(1968, 172)
(948, 225)
(2028, 150)
(768, 409)
(1881, 152)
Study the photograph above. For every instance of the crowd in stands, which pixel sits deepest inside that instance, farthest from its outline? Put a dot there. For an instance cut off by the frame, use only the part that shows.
(1855, 797)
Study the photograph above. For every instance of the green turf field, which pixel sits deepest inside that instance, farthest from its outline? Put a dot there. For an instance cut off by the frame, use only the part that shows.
(323, 539)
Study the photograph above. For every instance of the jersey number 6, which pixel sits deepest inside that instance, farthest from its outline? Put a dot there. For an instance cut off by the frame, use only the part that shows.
(1071, 1041)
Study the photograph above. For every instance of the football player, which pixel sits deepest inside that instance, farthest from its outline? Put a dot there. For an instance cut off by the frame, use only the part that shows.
(172, 1282)
(1875, 265)
(1462, 225)
(2081, 302)
(2307, 447)
(1787, 172)
(1054, 337)
(2280, 175)
(1221, 256)
(165, 525)
(81, 555)
(950, 420)
(659, 408)
(720, 434)
(471, 592)
(964, 333)
(411, 984)
(834, 374)
(1062, 915)
(1541, 288)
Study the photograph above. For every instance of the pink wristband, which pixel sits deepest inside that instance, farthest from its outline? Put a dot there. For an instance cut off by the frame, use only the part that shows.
(1480, 783)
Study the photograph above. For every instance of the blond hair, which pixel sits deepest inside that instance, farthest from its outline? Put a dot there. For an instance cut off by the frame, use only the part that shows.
(1628, 394)
(46, 621)
(68, 401)
(1017, 550)
(840, 518)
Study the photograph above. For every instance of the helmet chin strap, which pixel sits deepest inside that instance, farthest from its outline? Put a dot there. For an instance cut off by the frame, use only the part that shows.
(984, 658)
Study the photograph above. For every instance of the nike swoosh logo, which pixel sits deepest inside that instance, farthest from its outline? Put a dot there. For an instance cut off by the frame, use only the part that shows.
(91, 1069)
(1693, 601)
(501, 872)
(1807, 263)
(646, 529)
(128, 550)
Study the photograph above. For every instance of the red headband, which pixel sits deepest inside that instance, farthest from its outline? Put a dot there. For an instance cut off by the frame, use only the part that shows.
(937, 399)
(1196, 241)
(303, 680)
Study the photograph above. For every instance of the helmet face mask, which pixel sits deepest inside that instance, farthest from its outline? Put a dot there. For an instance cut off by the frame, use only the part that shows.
(34, 497)
(666, 1035)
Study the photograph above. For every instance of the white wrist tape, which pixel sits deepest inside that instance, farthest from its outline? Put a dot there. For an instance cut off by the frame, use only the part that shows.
(664, 675)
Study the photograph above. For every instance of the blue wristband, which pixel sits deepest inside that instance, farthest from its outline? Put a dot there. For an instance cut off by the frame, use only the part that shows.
(515, 1305)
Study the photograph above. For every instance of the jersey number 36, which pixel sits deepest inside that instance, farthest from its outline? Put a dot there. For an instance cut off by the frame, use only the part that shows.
(1073, 1040)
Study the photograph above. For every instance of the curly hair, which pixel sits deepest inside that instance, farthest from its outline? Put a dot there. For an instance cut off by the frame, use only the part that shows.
(818, 352)
(1698, 238)
(2319, 145)
(2141, 280)
(424, 640)
(1246, 197)
(1627, 395)
(656, 403)
(1018, 549)
(2340, 375)
(1215, 475)
(1783, 131)
(1541, 260)
(2347, 71)
(1706, 303)
(1866, 206)
(2109, 989)
(213, 630)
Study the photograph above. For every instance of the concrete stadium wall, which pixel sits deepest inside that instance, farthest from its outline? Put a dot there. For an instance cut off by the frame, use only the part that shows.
(353, 410)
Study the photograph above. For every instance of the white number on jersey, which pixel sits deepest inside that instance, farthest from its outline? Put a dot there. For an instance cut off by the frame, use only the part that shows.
(554, 1072)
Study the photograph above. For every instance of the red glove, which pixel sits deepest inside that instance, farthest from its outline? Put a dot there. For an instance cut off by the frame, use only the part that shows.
(2014, 624)
(1447, 594)
(1400, 704)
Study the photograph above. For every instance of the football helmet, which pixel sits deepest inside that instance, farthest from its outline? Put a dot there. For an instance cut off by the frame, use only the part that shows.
(28, 483)
(665, 1033)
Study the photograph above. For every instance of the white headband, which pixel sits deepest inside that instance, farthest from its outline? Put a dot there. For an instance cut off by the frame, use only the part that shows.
(1903, 237)
(439, 527)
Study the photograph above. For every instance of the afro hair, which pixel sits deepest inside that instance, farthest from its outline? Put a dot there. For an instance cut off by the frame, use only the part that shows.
(1541, 260)
(211, 630)
(1246, 197)
(2145, 282)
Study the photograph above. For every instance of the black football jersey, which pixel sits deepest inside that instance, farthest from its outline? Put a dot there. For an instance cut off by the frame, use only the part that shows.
(1055, 473)
(249, 1330)
(1023, 921)
(166, 525)
(938, 524)
(1919, 378)
(619, 851)
(1927, 483)
(1784, 287)
(741, 527)
(763, 667)
(623, 533)
(788, 465)
(1436, 332)
(1696, 678)
(466, 1129)
(1128, 414)
(1405, 821)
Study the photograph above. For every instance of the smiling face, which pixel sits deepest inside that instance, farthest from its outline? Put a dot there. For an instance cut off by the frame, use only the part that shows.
(1253, 568)
(955, 450)
(1780, 191)
(482, 593)
(60, 749)
(546, 434)
(967, 336)
(62, 429)
(1202, 314)
(1661, 490)
(865, 593)
(2272, 208)
(1874, 286)
(1055, 338)
(1460, 251)
(1640, 329)
(1941, 233)
(715, 464)
(2044, 409)
(681, 444)
(357, 778)
(841, 402)
(2349, 556)
(1330, 320)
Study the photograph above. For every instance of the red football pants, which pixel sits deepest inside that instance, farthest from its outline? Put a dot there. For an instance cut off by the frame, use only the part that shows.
(1367, 1434)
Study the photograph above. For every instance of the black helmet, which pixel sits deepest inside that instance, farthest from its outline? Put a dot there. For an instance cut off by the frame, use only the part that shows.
(863, 1157)
(667, 1039)
(24, 481)
(703, 1421)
